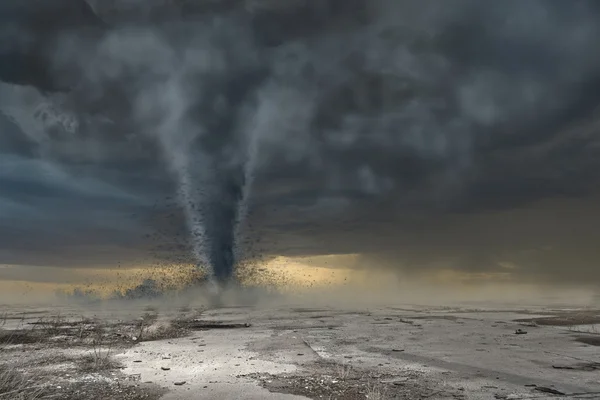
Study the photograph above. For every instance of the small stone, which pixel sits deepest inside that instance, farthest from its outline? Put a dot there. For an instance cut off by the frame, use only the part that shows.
(181, 383)
(544, 389)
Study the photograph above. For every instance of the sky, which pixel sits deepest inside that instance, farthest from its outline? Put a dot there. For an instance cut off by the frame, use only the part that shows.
(454, 135)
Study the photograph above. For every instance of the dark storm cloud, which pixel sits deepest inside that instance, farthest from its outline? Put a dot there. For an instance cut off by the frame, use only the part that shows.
(419, 134)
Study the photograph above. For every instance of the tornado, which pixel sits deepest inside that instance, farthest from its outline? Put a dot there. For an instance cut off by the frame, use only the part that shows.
(221, 220)
(218, 164)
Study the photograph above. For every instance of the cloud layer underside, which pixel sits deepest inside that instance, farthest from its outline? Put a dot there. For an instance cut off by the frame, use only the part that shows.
(461, 134)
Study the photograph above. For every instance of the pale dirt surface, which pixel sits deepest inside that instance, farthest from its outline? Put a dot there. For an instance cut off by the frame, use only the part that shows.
(288, 352)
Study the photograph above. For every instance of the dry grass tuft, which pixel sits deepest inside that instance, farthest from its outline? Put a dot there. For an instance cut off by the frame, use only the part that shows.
(14, 386)
(343, 371)
(100, 357)
(375, 393)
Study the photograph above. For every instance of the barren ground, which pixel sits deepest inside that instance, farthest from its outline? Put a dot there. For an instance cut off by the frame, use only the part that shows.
(285, 352)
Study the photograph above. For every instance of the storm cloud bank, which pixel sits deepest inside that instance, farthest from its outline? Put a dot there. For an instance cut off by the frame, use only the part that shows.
(444, 134)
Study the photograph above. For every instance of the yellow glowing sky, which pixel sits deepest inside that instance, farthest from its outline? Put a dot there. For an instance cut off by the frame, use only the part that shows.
(99, 280)
(283, 273)
(343, 279)
(337, 270)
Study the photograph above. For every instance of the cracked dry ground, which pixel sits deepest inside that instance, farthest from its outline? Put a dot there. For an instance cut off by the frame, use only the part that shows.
(299, 353)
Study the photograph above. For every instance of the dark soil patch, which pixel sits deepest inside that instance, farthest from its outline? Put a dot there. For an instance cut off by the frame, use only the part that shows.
(325, 380)
(310, 310)
(97, 362)
(591, 340)
(433, 317)
(304, 327)
(567, 319)
(49, 360)
(22, 314)
(85, 333)
(106, 391)
(198, 325)
(579, 367)
(19, 337)
(313, 387)
(60, 338)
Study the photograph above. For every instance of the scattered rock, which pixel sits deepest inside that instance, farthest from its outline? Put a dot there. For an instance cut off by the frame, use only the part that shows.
(579, 367)
(205, 325)
(520, 332)
(165, 368)
(181, 383)
(562, 367)
(544, 389)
